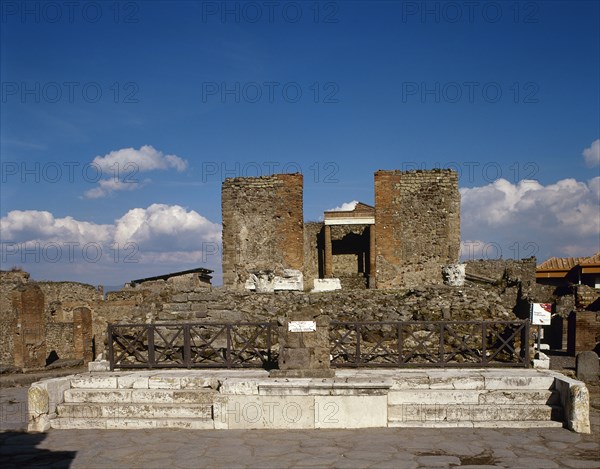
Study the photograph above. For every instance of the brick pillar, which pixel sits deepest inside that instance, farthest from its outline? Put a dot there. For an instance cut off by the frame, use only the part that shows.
(30, 330)
(372, 256)
(82, 334)
(328, 253)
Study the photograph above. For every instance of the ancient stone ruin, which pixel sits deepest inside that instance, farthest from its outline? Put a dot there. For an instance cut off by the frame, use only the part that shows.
(403, 241)
(394, 261)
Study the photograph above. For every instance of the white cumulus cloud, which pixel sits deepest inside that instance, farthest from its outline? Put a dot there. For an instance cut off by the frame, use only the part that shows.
(108, 186)
(166, 228)
(528, 218)
(147, 158)
(143, 242)
(591, 155)
(121, 168)
(346, 206)
(36, 225)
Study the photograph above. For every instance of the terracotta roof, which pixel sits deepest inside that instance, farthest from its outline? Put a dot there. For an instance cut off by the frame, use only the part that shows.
(592, 260)
(567, 263)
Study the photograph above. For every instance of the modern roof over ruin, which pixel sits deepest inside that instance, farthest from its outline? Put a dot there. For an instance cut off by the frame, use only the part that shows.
(561, 266)
(202, 273)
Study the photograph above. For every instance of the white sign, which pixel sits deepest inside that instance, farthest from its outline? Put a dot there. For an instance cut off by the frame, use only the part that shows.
(302, 326)
(541, 314)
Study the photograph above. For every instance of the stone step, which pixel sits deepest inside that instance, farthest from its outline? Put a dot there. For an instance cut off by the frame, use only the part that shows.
(142, 380)
(118, 423)
(540, 397)
(497, 424)
(455, 379)
(465, 396)
(141, 396)
(328, 387)
(134, 411)
(472, 413)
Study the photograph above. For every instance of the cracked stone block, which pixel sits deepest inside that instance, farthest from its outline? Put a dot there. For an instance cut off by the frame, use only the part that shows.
(327, 284)
(454, 274)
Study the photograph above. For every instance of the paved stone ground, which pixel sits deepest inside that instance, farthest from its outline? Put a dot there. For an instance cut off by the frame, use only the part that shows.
(365, 448)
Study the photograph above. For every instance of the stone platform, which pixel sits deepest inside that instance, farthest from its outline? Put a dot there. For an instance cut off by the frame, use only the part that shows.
(363, 398)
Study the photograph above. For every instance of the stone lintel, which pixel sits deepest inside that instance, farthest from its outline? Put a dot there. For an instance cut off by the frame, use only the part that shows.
(351, 221)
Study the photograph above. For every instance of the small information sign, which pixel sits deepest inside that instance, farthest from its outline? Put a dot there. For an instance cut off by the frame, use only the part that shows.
(541, 314)
(302, 326)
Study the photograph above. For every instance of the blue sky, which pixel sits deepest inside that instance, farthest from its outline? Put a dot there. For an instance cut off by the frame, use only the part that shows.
(119, 121)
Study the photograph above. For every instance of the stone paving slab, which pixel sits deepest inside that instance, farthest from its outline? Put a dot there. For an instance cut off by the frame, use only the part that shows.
(398, 448)
(364, 448)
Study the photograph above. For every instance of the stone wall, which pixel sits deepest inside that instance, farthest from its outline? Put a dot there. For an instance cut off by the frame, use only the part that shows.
(515, 280)
(584, 332)
(41, 322)
(62, 298)
(29, 330)
(262, 226)
(497, 269)
(417, 226)
(314, 252)
(434, 302)
(222, 305)
(60, 342)
(350, 248)
(9, 282)
(66, 307)
(187, 301)
(587, 297)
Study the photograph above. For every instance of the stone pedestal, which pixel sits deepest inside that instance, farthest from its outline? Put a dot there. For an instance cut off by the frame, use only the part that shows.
(588, 368)
(304, 347)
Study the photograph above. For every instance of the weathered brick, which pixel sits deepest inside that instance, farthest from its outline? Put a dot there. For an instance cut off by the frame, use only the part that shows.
(263, 226)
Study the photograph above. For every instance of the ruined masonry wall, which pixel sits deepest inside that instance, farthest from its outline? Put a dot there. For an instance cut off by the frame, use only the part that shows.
(37, 318)
(587, 297)
(313, 250)
(523, 269)
(262, 226)
(417, 226)
(584, 329)
(9, 281)
(189, 301)
(222, 305)
(349, 237)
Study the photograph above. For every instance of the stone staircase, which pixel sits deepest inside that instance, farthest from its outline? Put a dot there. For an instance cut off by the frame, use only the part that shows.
(227, 399)
(488, 399)
(137, 401)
